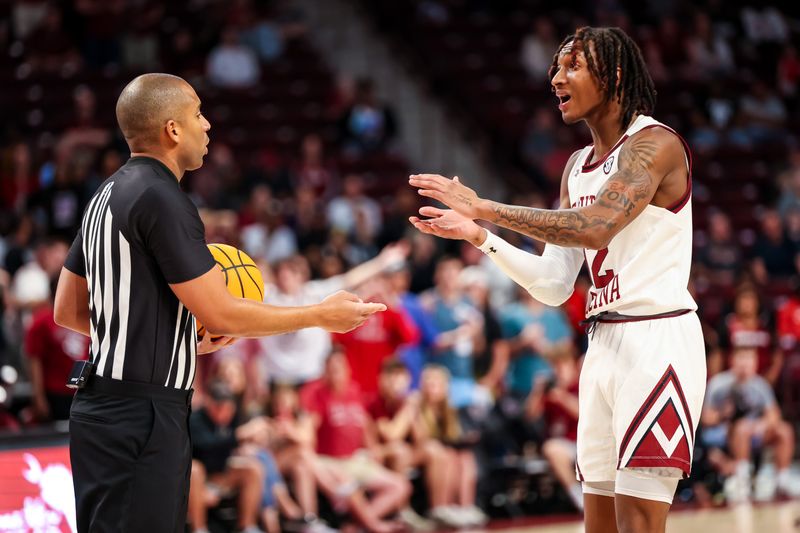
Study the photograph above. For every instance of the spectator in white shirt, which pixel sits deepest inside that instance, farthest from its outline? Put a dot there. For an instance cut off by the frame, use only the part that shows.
(267, 237)
(30, 286)
(231, 65)
(353, 207)
(537, 49)
(299, 357)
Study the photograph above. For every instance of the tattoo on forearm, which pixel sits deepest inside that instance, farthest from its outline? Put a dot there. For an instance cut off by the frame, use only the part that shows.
(623, 194)
(464, 199)
(564, 226)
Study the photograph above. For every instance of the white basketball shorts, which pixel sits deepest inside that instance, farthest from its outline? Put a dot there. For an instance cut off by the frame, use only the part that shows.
(641, 392)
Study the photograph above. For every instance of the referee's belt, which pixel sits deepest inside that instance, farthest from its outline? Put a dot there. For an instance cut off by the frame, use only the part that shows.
(116, 387)
(610, 317)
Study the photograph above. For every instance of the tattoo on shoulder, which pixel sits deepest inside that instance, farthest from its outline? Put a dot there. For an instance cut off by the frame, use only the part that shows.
(633, 182)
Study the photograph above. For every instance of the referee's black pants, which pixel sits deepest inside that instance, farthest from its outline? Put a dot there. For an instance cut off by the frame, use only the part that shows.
(131, 457)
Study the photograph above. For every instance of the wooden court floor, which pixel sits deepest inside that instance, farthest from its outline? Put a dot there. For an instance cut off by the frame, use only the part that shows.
(772, 518)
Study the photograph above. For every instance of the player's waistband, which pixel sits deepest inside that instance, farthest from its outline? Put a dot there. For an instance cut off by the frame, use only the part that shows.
(611, 317)
(116, 387)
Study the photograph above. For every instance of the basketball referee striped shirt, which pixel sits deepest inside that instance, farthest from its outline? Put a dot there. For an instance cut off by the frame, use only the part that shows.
(140, 232)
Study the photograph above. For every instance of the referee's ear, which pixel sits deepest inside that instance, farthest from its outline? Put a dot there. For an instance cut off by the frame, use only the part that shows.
(173, 131)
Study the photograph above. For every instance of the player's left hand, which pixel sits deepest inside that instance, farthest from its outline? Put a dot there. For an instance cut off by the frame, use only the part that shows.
(451, 192)
(210, 344)
(448, 224)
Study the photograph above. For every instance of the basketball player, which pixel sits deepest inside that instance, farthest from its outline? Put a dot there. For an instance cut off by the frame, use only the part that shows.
(136, 276)
(625, 206)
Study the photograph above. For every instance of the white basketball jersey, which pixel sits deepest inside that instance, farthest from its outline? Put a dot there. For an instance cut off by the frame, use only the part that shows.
(645, 268)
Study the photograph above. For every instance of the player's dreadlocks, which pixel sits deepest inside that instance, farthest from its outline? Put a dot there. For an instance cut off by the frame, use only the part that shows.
(612, 50)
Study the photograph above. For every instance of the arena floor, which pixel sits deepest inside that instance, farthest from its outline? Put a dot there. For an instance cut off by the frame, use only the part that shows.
(773, 518)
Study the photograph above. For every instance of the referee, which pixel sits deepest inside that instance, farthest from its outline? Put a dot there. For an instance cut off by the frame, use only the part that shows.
(136, 275)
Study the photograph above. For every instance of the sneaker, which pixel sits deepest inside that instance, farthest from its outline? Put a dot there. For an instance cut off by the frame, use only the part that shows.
(311, 523)
(787, 486)
(473, 515)
(765, 485)
(737, 489)
(414, 521)
(448, 516)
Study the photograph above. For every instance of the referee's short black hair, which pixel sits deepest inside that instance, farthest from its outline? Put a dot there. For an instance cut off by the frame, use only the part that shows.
(147, 103)
(616, 60)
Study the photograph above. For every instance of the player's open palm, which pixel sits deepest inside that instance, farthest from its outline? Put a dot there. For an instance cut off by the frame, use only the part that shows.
(344, 311)
(446, 223)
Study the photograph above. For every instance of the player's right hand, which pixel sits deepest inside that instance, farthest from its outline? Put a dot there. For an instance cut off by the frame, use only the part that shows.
(448, 224)
(343, 311)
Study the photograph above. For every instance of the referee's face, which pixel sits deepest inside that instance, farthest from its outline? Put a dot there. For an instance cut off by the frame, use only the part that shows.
(194, 144)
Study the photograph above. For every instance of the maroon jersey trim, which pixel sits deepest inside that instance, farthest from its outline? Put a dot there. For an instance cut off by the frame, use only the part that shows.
(684, 199)
(588, 167)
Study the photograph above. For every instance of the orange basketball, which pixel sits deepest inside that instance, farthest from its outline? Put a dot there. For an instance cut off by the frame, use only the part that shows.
(242, 276)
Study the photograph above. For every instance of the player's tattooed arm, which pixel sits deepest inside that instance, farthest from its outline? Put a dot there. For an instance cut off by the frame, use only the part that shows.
(619, 201)
(644, 160)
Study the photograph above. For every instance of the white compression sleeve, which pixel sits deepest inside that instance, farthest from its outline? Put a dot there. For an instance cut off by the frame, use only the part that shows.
(550, 277)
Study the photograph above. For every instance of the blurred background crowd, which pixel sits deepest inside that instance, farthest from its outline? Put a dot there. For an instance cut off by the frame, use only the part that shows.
(465, 377)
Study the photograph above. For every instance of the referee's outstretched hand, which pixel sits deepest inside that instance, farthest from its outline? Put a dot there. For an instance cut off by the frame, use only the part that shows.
(344, 311)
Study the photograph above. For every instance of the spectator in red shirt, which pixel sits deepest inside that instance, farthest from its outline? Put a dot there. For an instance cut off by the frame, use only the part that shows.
(575, 309)
(378, 338)
(555, 399)
(747, 327)
(789, 71)
(394, 385)
(51, 351)
(8, 422)
(344, 441)
(788, 322)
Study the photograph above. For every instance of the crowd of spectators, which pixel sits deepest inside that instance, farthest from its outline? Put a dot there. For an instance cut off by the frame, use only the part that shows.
(465, 374)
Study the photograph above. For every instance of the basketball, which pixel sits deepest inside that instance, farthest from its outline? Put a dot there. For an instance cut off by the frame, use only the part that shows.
(242, 276)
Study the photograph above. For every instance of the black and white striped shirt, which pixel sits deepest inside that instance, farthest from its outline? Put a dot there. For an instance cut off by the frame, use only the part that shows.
(140, 233)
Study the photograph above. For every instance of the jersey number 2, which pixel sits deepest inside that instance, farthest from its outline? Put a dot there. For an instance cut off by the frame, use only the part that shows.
(601, 280)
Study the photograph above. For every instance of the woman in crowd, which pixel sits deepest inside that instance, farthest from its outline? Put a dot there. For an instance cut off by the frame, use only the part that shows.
(438, 424)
